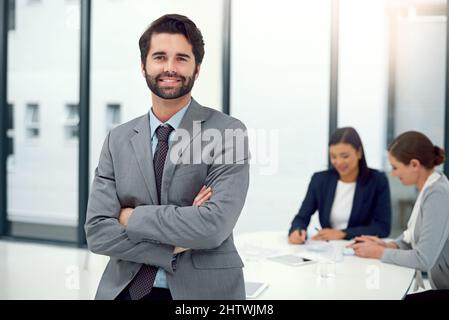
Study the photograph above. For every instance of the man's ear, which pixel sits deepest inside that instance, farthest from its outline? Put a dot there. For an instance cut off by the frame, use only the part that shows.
(197, 73)
(142, 69)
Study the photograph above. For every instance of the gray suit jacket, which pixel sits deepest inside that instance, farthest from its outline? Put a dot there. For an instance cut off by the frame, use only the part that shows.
(212, 269)
(431, 253)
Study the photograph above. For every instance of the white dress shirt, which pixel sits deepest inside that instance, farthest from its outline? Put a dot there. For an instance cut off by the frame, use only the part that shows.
(342, 205)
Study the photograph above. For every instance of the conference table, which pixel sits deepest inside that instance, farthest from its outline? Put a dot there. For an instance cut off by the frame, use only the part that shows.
(353, 277)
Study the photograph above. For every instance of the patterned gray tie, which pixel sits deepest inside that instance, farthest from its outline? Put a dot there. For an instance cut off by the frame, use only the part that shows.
(143, 282)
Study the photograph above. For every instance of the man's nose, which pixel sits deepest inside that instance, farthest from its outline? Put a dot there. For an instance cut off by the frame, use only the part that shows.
(170, 66)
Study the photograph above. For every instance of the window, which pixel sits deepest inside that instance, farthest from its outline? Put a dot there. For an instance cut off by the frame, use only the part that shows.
(72, 119)
(44, 166)
(274, 137)
(11, 15)
(113, 116)
(32, 121)
(10, 130)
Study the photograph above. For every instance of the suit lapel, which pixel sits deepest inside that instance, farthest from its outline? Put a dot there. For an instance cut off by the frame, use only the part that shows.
(356, 203)
(141, 143)
(330, 194)
(195, 113)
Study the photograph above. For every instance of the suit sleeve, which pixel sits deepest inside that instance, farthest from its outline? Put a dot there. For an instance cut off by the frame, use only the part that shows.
(433, 235)
(203, 227)
(105, 235)
(401, 243)
(307, 209)
(381, 213)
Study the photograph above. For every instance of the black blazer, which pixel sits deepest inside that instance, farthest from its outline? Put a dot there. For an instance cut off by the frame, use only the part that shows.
(371, 208)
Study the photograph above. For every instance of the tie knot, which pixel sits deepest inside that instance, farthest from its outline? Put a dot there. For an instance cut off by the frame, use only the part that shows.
(163, 132)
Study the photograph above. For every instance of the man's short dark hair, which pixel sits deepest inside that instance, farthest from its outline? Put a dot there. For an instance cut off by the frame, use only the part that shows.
(173, 24)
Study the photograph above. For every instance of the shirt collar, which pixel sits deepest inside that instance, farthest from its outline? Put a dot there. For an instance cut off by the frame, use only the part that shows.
(174, 121)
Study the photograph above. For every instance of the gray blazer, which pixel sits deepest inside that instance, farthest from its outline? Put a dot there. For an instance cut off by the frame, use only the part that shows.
(212, 269)
(431, 253)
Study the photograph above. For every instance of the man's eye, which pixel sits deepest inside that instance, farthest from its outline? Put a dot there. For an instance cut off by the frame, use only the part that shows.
(158, 58)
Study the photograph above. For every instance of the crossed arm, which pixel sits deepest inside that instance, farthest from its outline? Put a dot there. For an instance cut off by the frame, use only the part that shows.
(196, 227)
(204, 195)
(151, 234)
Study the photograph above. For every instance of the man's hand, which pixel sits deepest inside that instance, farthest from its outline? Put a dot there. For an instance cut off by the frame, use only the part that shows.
(179, 250)
(204, 195)
(329, 234)
(124, 216)
(297, 237)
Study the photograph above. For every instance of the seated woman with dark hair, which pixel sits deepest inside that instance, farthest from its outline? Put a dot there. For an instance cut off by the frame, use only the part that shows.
(351, 199)
(424, 246)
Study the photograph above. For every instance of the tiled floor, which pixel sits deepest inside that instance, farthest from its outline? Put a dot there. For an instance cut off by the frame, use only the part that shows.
(34, 271)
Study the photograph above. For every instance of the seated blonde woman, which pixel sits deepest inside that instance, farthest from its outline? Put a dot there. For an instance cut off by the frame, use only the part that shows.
(425, 244)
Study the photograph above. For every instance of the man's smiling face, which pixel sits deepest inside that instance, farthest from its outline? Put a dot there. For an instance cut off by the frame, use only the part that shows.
(170, 69)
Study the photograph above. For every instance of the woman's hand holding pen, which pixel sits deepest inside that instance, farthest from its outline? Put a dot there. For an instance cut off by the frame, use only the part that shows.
(368, 239)
(368, 247)
(297, 237)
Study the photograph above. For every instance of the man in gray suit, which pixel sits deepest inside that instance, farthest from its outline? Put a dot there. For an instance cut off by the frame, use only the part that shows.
(170, 185)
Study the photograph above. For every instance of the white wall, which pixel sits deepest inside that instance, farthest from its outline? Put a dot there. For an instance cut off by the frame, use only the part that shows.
(363, 74)
(280, 88)
(421, 76)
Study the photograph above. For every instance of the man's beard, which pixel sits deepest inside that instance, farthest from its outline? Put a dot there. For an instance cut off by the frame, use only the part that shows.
(170, 92)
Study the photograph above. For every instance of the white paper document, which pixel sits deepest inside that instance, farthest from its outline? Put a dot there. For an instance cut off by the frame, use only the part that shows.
(291, 260)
